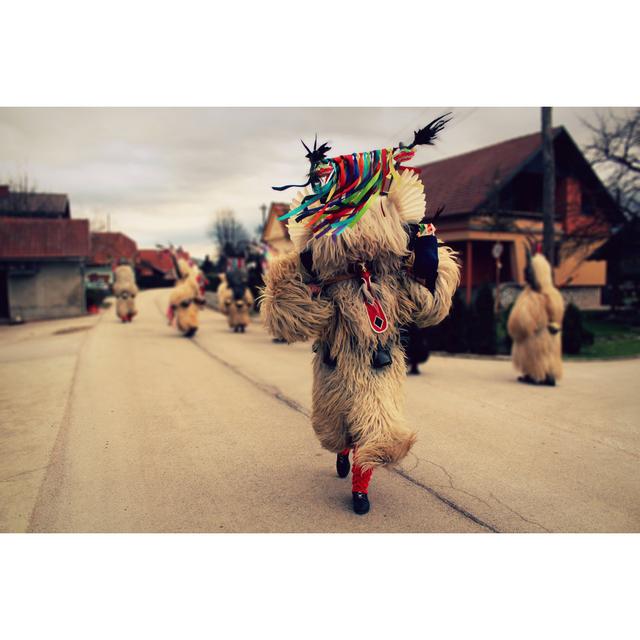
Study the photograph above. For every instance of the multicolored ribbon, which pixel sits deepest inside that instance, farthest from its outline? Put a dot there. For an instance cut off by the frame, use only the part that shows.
(345, 187)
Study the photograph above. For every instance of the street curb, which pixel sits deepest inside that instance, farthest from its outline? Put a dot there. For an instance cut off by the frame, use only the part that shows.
(504, 358)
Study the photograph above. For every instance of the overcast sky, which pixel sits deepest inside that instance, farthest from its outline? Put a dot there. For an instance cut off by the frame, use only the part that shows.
(163, 173)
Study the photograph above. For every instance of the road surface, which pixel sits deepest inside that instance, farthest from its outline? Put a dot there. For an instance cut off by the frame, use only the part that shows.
(112, 427)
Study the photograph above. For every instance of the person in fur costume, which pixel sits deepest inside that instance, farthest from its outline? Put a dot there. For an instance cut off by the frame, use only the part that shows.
(223, 295)
(416, 346)
(365, 263)
(125, 291)
(237, 300)
(535, 323)
(187, 297)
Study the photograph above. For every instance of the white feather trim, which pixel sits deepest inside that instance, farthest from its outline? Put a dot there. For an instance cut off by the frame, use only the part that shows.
(407, 195)
(298, 233)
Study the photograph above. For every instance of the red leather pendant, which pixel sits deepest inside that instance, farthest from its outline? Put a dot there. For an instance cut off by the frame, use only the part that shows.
(375, 312)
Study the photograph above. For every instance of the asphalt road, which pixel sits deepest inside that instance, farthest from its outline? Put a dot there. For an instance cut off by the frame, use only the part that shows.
(112, 427)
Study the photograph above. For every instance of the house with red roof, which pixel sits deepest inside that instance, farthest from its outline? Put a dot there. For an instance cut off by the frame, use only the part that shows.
(108, 249)
(42, 257)
(493, 196)
(112, 247)
(275, 233)
(155, 267)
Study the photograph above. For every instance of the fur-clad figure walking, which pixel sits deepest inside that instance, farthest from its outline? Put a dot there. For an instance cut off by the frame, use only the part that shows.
(416, 346)
(535, 323)
(186, 298)
(237, 300)
(365, 263)
(125, 291)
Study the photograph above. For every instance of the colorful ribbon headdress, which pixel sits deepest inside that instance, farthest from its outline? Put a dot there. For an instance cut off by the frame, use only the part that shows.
(344, 187)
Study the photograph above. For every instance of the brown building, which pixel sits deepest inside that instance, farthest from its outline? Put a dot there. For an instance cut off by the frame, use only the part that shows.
(18, 204)
(43, 253)
(275, 233)
(494, 194)
(42, 267)
(155, 267)
(108, 249)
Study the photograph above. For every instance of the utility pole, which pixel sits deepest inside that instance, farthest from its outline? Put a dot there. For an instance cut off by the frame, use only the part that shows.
(548, 186)
(263, 208)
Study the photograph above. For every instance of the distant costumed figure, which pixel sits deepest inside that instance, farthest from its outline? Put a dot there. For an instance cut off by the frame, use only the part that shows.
(416, 346)
(222, 293)
(535, 324)
(366, 262)
(187, 297)
(125, 291)
(238, 300)
(235, 299)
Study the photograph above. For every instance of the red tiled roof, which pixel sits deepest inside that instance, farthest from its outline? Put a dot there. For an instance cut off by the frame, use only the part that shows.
(32, 238)
(158, 259)
(462, 183)
(108, 247)
(150, 260)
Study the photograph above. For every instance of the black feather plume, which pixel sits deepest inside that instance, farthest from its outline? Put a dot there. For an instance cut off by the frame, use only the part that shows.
(439, 210)
(436, 215)
(428, 134)
(314, 156)
(318, 154)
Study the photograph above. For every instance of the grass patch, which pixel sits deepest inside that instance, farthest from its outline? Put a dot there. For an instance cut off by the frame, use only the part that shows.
(613, 337)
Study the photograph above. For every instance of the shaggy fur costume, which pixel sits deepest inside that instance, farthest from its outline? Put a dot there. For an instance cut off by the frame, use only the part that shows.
(235, 299)
(223, 295)
(353, 403)
(535, 323)
(125, 291)
(186, 299)
(238, 310)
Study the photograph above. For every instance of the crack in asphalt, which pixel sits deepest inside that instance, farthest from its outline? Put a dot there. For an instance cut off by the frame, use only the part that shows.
(472, 495)
(450, 478)
(450, 503)
(22, 473)
(506, 506)
(274, 392)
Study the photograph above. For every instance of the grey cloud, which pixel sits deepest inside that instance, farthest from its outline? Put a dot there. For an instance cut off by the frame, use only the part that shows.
(162, 173)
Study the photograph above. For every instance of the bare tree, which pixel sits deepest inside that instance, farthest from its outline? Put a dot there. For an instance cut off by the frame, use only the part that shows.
(97, 223)
(227, 232)
(19, 199)
(614, 151)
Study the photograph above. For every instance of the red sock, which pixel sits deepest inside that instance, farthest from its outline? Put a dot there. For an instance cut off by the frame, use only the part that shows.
(360, 479)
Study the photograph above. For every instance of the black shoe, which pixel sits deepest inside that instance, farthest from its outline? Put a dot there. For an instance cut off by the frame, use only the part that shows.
(342, 465)
(527, 380)
(550, 381)
(360, 503)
